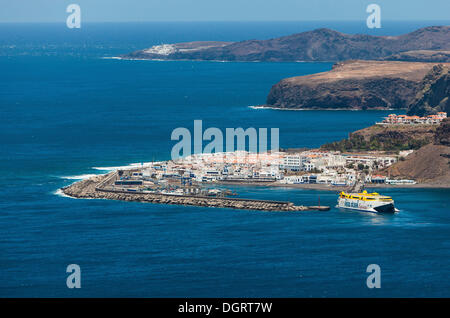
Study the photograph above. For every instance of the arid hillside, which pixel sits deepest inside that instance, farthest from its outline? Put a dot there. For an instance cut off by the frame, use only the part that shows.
(430, 163)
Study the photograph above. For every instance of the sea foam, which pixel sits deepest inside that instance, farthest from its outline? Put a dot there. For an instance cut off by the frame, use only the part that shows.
(79, 177)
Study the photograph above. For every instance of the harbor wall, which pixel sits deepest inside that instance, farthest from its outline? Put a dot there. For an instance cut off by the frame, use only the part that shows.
(89, 188)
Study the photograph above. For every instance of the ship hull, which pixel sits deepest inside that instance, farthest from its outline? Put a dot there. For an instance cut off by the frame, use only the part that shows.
(387, 208)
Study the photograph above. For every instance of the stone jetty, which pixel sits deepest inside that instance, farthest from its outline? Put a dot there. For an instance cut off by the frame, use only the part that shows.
(92, 189)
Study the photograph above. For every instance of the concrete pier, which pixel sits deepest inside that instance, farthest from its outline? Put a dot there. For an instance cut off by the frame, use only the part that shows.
(94, 188)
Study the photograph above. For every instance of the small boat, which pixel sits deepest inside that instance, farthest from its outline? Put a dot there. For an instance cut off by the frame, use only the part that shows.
(364, 201)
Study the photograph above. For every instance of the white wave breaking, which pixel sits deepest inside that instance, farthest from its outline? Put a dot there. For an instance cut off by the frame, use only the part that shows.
(127, 167)
(79, 177)
(108, 169)
(60, 193)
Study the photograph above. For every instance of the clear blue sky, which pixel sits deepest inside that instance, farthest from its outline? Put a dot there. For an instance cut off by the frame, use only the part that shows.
(223, 10)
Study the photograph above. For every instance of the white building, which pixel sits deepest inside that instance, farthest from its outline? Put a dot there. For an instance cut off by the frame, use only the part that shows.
(291, 162)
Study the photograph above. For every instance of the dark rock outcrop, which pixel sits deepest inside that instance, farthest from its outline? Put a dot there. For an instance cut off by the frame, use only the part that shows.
(434, 93)
(317, 45)
(386, 138)
(442, 136)
(352, 85)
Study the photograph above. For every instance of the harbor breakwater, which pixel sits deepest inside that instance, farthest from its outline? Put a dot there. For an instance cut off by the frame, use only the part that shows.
(92, 188)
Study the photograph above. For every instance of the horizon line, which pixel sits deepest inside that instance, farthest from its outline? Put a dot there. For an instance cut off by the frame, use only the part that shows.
(227, 21)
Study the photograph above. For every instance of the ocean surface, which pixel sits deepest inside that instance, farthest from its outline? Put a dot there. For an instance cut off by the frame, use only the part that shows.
(68, 111)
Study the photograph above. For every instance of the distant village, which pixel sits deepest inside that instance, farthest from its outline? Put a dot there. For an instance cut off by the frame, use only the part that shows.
(394, 119)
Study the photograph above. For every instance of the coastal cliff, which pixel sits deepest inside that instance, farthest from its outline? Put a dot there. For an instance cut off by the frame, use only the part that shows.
(434, 93)
(354, 84)
(317, 45)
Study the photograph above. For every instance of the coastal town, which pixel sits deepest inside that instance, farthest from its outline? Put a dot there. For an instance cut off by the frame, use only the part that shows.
(196, 179)
(309, 168)
(328, 168)
(201, 177)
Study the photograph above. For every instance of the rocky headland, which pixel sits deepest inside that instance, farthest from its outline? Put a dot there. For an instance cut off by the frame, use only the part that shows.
(353, 85)
(317, 45)
(372, 72)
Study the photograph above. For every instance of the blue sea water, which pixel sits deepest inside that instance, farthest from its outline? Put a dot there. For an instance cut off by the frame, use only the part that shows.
(66, 109)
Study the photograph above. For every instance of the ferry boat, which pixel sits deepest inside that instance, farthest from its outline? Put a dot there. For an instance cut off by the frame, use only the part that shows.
(369, 202)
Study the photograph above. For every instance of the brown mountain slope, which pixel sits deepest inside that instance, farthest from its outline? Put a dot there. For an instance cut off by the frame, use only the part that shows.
(429, 164)
(430, 161)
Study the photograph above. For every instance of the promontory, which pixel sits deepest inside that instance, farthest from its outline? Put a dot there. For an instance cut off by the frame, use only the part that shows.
(359, 84)
(316, 45)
